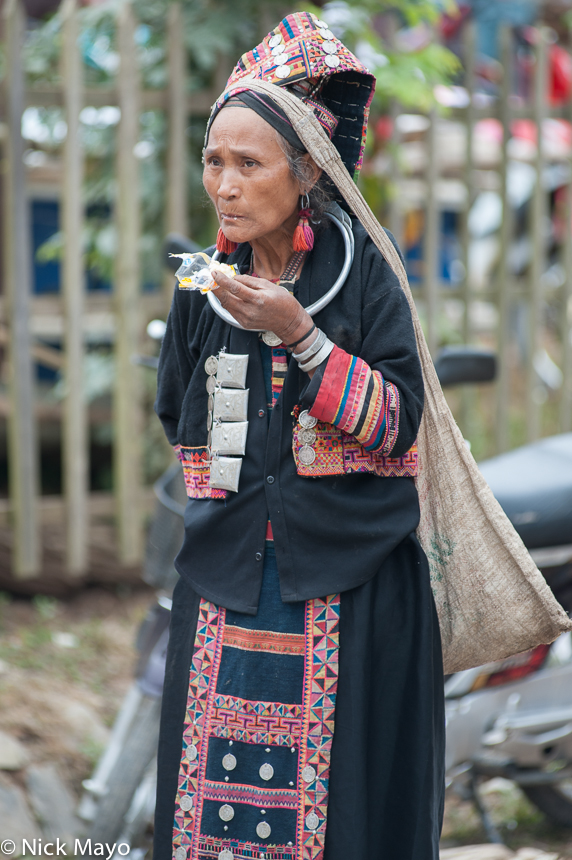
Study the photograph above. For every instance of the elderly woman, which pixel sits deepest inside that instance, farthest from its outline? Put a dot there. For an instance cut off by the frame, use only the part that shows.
(303, 704)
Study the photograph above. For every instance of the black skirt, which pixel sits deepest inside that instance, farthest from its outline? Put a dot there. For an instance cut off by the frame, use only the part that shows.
(386, 785)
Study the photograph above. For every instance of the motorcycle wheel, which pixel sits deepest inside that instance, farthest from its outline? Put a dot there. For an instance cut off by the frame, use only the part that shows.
(555, 801)
(128, 773)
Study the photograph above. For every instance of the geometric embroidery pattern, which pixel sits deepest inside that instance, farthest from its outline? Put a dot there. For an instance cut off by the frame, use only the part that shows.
(320, 687)
(264, 641)
(197, 470)
(338, 453)
(309, 726)
(268, 723)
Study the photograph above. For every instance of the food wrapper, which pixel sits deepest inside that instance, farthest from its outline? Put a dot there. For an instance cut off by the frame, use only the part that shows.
(196, 272)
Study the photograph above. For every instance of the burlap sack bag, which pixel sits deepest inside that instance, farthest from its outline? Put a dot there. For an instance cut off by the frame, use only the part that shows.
(491, 598)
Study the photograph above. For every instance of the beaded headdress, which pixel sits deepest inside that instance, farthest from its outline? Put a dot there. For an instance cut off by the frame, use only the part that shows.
(302, 54)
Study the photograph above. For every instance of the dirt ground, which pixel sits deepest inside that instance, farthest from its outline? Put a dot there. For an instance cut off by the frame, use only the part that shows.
(64, 668)
(66, 664)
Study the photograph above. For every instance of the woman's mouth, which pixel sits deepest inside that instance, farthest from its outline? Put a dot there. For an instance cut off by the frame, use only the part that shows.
(227, 216)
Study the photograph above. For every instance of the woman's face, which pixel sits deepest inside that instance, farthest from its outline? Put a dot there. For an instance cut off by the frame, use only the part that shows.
(247, 177)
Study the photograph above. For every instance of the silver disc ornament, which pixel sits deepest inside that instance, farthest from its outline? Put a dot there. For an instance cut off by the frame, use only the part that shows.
(211, 365)
(307, 437)
(332, 61)
(307, 455)
(266, 771)
(281, 59)
(263, 830)
(211, 384)
(282, 71)
(275, 40)
(330, 48)
(271, 339)
(306, 420)
(226, 812)
(186, 803)
(229, 762)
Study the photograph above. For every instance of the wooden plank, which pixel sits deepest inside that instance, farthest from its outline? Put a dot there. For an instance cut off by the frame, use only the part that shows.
(537, 238)
(431, 239)
(22, 440)
(74, 428)
(467, 391)
(127, 409)
(502, 412)
(566, 313)
(176, 215)
(48, 95)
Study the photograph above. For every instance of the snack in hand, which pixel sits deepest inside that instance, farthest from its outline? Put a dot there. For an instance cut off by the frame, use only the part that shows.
(196, 272)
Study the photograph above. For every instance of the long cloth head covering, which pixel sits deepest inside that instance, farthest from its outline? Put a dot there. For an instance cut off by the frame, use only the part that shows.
(491, 598)
(303, 56)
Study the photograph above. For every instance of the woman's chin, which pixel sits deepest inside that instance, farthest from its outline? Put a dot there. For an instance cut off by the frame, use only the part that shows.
(236, 234)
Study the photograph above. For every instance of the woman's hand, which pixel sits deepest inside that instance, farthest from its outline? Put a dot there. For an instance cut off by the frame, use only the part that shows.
(263, 306)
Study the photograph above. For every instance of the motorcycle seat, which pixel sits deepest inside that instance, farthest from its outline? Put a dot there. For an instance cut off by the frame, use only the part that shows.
(533, 484)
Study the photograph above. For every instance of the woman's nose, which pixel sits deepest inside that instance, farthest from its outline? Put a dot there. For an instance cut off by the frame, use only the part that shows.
(228, 187)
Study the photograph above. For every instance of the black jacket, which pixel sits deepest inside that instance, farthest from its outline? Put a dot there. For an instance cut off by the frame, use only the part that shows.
(331, 533)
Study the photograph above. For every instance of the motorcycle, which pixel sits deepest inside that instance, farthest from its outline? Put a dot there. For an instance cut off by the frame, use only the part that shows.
(513, 718)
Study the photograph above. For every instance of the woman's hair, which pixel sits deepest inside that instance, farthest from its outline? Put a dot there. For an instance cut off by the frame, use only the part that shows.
(302, 169)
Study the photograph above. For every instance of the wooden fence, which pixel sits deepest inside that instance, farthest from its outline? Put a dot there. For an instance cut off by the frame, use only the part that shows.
(128, 305)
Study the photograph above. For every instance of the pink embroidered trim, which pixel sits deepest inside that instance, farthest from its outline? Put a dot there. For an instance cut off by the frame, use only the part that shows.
(197, 471)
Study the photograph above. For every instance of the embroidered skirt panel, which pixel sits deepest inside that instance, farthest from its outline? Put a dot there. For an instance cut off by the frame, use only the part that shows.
(258, 728)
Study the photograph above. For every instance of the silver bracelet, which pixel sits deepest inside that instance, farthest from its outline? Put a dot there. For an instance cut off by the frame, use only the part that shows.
(316, 345)
(319, 357)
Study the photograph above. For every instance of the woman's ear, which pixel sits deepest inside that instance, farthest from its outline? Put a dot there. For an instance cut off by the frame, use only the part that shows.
(313, 173)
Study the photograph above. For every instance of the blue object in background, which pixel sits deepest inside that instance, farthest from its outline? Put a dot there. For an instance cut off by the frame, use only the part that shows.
(45, 222)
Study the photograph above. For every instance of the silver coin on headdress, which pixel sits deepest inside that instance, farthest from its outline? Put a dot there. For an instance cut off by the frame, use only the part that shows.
(327, 34)
(330, 47)
(279, 49)
(275, 40)
(282, 71)
(332, 61)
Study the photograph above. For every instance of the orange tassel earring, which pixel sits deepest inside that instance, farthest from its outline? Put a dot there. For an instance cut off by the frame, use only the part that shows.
(303, 234)
(224, 245)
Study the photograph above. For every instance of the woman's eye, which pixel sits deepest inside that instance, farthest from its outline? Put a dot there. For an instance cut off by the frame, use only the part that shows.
(249, 163)
(213, 161)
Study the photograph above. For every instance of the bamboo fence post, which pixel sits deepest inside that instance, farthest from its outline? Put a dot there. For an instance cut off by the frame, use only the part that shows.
(469, 39)
(127, 409)
(502, 412)
(431, 238)
(177, 153)
(469, 34)
(533, 407)
(566, 333)
(23, 455)
(74, 417)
